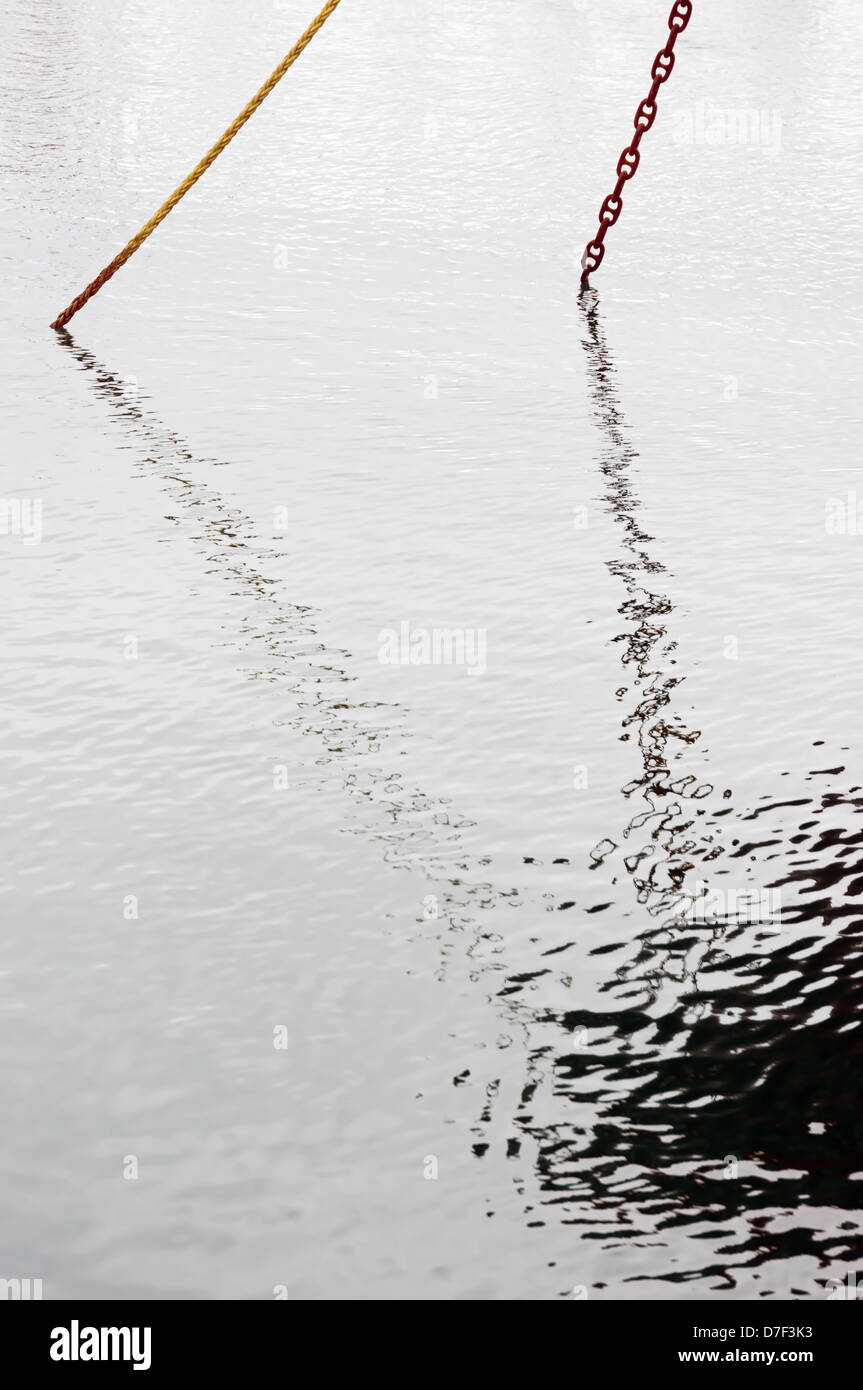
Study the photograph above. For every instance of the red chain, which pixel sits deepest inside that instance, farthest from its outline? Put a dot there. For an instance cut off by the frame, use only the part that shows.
(663, 66)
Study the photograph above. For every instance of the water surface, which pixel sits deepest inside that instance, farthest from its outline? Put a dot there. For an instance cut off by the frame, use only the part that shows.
(566, 953)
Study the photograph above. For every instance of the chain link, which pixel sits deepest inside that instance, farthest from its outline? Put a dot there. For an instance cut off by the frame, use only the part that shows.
(663, 66)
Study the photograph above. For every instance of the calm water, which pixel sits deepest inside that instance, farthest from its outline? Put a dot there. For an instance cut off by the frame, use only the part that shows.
(565, 948)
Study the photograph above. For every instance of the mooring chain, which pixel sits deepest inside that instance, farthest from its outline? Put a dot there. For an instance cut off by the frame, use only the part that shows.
(663, 66)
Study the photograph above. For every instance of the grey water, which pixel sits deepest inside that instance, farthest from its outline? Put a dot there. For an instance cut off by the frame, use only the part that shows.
(432, 787)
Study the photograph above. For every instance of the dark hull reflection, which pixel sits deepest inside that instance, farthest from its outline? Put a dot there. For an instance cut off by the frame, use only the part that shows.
(719, 1087)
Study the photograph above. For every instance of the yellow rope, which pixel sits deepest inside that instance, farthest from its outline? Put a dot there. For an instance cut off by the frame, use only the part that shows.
(247, 111)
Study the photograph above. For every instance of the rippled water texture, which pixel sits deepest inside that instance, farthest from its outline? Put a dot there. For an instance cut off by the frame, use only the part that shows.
(521, 978)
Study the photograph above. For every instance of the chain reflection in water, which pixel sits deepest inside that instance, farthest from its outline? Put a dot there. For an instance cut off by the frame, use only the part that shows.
(716, 1099)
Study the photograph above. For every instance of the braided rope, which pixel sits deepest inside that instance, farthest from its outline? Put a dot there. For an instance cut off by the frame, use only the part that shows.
(140, 237)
